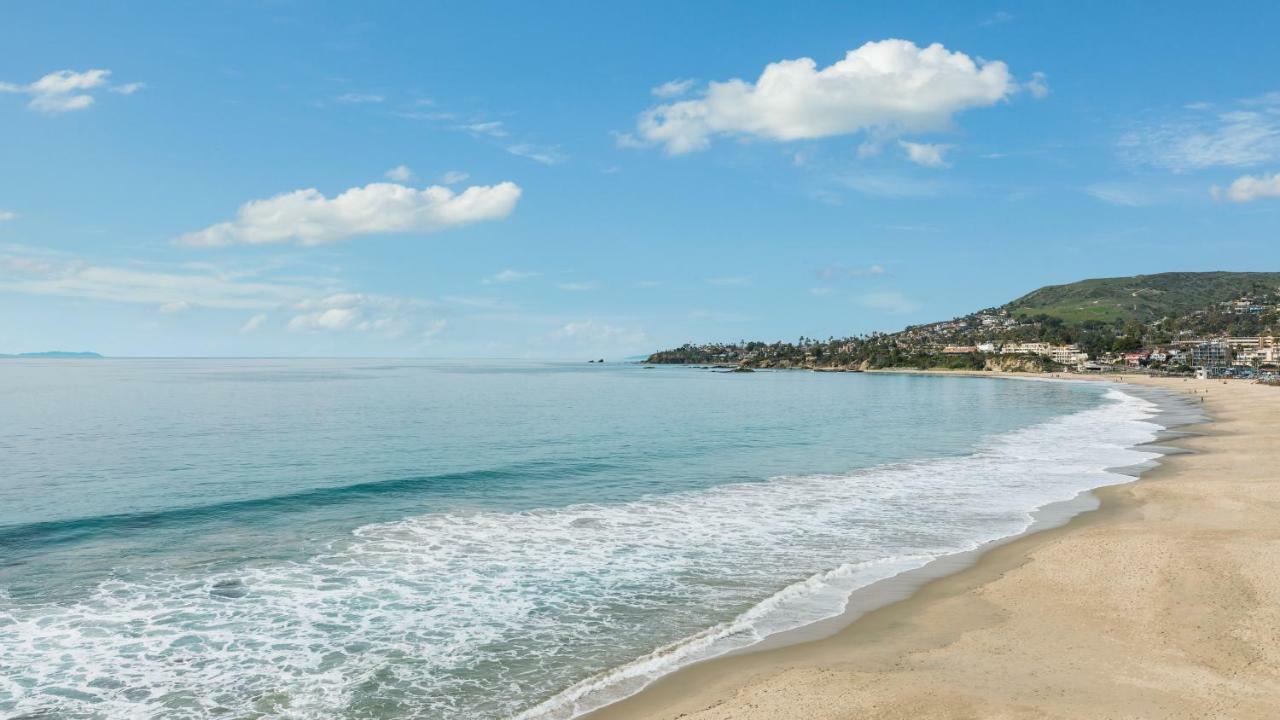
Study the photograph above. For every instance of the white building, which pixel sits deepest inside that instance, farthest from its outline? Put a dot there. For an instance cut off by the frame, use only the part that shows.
(1027, 348)
(1067, 354)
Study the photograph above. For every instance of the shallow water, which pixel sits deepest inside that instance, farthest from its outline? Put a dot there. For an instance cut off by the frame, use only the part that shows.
(372, 539)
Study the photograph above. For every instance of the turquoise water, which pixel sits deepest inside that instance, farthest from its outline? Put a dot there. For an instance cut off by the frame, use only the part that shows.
(375, 539)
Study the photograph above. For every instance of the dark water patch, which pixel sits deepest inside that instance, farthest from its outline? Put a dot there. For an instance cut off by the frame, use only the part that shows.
(30, 535)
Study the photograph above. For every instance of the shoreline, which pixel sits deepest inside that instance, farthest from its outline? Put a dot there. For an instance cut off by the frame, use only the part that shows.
(788, 675)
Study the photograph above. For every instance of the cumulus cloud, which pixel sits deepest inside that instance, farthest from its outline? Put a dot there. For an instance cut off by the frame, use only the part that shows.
(67, 90)
(507, 276)
(1248, 188)
(453, 177)
(1242, 137)
(254, 323)
(673, 88)
(889, 87)
(400, 173)
(925, 154)
(307, 217)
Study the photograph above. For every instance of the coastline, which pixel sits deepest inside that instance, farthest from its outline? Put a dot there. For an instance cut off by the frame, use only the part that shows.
(967, 638)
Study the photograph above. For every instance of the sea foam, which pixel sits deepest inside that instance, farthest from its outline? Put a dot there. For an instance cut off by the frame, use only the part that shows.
(545, 613)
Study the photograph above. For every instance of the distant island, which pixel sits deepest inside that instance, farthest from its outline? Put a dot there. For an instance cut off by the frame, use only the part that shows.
(1213, 323)
(53, 354)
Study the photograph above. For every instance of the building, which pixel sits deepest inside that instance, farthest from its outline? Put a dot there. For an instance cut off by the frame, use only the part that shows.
(959, 349)
(1210, 354)
(1027, 348)
(1067, 354)
(1243, 343)
(1136, 359)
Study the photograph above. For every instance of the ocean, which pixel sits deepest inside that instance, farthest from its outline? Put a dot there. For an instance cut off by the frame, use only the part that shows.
(481, 539)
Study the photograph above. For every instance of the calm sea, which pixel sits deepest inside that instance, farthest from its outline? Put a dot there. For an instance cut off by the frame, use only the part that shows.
(386, 539)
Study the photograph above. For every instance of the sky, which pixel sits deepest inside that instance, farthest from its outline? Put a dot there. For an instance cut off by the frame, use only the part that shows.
(577, 180)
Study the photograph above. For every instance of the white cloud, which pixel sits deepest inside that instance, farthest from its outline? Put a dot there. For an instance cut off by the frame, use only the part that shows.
(1248, 188)
(356, 312)
(891, 186)
(400, 173)
(453, 177)
(355, 98)
(507, 276)
(67, 90)
(673, 88)
(538, 153)
(1124, 194)
(731, 281)
(41, 273)
(835, 272)
(578, 286)
(309, 218)
(894, 303)
(313, 304)
(8, 215)
(492, 128)
(889, 87)
(1038, 85)
(925, 154)
(254, 323)
(1199, 140)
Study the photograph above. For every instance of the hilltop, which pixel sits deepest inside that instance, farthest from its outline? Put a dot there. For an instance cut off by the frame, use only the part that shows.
(1144, 298)
(1106, 320)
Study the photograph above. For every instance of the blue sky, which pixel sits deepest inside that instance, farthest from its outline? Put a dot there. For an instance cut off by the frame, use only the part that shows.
(572, 180)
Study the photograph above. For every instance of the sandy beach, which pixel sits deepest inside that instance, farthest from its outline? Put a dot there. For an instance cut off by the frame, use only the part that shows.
(1163, 603)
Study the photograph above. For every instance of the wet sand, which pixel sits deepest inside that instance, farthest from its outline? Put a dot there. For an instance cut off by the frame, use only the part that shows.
(1162, 603)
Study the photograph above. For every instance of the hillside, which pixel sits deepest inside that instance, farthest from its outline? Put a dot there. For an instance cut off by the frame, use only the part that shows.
(1098, 318)
(1144, 298)
(54, 354)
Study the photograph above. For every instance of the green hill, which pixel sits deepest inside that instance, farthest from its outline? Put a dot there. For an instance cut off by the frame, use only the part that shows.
(1144, 298)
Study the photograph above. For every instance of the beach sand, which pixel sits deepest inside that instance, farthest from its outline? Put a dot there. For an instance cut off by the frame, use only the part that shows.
(1163, 603)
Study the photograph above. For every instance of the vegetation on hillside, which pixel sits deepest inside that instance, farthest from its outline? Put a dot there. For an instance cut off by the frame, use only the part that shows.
(1143, 298)
(1102, 317)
